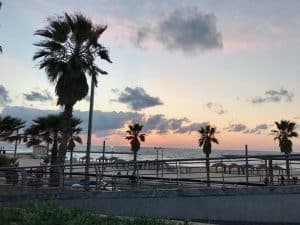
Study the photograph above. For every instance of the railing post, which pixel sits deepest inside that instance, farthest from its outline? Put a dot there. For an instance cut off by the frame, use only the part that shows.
(103, 157)
(271, 172)
(247, 172)
(61, 177)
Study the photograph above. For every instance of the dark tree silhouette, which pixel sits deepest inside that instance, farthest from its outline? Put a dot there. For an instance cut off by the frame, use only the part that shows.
(207, 138)
(68, 53)
(135, 137)
(48, 130)
(285, 131)
(9, 130)
(45, 130)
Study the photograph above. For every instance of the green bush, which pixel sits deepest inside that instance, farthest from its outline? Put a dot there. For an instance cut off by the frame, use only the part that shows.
(47, 213)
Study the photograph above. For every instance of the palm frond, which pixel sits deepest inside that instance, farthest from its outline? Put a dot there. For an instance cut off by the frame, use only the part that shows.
(215, 140)
(293, 134)
(142, 137)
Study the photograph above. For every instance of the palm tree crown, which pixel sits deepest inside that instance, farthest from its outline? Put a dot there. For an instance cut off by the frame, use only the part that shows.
(49, 130)
(207, 137)
(43, 130)
(285, 131)
(135, 137)
(68, 53)
(9, 126)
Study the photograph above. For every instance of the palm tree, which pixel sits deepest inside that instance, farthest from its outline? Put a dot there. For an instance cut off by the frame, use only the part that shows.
(135, 137)
(9, 130)
(207, 138)
(68, 53)
(285, 131)
(49, 130)
(45, 130)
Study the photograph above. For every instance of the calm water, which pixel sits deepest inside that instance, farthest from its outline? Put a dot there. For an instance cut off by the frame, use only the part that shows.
(145, 153)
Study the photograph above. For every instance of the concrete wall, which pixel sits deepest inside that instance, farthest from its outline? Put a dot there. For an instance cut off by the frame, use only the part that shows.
(274, 206)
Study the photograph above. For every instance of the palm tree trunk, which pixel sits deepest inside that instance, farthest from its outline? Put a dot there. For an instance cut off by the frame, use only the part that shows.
(16, 143)
(48, 146)
(71, 162)
(287, 165)
(54, 150)
(54, 175)
(134, 163)
(89, 136)
(66, 133)
(207, 170)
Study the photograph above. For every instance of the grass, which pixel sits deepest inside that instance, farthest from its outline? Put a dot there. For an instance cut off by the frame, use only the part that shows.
(47, 213)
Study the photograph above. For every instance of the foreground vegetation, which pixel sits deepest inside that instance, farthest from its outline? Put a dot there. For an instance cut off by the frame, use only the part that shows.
(37, 213)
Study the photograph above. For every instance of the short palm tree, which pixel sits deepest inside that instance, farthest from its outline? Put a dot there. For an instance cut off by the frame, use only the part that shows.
(9, 130)
(48, 130)
(207, 138)
(135, 137)
(45, 130)
(285, 131)
(68, 53)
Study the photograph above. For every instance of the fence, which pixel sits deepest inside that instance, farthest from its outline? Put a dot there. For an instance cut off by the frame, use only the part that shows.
(118, 175)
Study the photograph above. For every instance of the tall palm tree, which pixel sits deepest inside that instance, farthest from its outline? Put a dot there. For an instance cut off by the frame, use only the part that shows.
(207, 138)
(285, 131)
(68, 53)
(9, 130)
(135, 137)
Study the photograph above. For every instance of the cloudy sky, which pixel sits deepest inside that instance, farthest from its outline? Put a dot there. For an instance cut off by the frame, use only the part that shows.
(177, 65)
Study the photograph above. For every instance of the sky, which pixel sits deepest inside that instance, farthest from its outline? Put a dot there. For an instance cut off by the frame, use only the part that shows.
(177, 66)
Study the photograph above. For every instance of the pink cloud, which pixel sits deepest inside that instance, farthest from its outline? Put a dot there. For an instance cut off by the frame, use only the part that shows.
(242, 35)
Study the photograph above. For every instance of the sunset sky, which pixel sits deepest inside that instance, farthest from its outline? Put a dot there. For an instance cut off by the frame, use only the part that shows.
(177, 65)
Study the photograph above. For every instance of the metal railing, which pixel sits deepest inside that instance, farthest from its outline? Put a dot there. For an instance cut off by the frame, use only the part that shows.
(152, 174)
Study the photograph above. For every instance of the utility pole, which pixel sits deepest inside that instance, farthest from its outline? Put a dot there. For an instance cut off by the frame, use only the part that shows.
(89, 136)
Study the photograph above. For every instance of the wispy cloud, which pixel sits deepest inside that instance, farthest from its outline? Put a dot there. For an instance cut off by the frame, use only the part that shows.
(191, 127)
(274, 96)
(236, 127)
(4, 96)
(162, 125)
(258, 129)
(137, 98)
(188, 30)
(215, 107)
(38, 96)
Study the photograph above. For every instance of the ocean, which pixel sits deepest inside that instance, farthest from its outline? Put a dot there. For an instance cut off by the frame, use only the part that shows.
(145, 153)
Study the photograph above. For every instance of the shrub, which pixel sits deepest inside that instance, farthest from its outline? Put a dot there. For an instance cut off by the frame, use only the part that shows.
(47, 213)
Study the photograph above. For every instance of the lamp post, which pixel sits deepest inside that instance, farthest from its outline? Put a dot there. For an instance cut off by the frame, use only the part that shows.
(89, 136)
